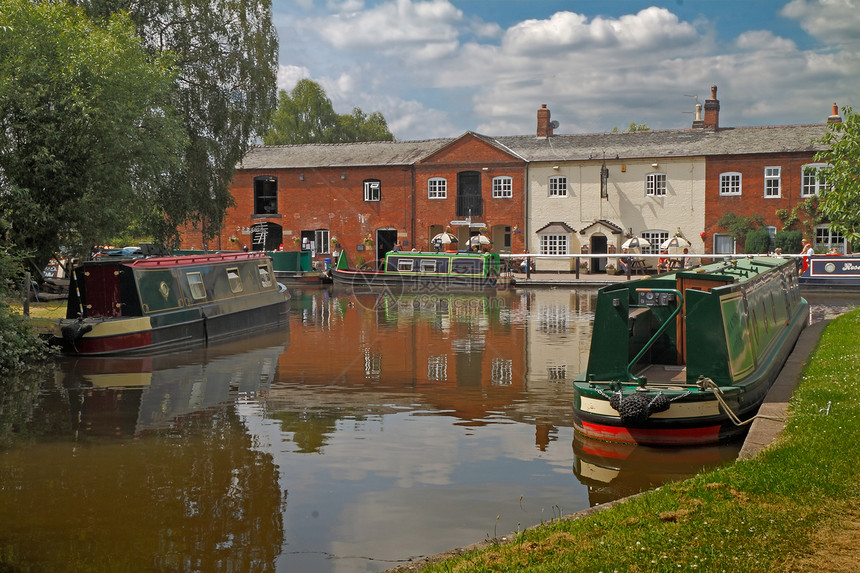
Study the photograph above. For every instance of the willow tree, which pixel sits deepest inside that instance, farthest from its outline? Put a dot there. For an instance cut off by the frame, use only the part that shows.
(87, 128)
(225, 55)
(840, 200)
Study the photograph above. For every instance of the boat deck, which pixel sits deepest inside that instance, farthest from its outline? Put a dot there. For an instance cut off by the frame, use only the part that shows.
(664, 374)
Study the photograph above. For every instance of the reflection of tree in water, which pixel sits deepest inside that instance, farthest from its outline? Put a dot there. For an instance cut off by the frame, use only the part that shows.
(196, 497)
(310, 429)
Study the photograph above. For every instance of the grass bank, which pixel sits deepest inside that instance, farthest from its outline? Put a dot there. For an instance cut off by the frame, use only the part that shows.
(794, 507)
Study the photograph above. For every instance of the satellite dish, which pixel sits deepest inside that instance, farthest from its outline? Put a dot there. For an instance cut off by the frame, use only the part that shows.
(553, 124)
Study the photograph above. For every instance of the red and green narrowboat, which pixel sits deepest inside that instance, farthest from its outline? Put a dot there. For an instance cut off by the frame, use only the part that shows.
(687, 357)
(144, 305)
(418, 271)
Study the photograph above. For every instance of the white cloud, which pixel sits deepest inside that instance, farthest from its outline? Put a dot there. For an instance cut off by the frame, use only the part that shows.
(830, 21)
(289, 76)
(434, 71)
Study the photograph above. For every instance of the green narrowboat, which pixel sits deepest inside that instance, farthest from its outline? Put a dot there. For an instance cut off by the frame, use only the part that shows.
(687, 357)
(420, 271)
(144, 305)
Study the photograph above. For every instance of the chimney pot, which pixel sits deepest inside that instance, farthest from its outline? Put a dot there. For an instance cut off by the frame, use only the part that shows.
(835, 117)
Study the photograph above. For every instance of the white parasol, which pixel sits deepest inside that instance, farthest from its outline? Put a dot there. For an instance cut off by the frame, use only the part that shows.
(675, 242)
(444, 238)
(635, 243)
(479, 240)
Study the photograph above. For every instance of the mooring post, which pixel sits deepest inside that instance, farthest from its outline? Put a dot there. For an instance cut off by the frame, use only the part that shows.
(27, 287)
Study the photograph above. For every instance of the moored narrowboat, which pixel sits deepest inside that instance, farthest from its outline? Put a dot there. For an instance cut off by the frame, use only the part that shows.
(831, 272)
(417, 271)
(687, 357)
(146, 305)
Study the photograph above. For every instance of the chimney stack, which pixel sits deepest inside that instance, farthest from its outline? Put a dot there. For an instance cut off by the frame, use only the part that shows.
(544, 129)
(712, 111)
(835, 118)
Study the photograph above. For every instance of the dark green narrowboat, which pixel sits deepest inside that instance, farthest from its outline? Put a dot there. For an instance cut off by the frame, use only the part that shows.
(145, 305)
(687, 357)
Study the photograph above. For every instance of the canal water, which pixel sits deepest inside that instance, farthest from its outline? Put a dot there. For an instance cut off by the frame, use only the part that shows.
(375, 430)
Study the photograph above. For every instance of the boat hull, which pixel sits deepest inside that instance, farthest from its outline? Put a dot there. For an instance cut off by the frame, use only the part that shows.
(415, 283)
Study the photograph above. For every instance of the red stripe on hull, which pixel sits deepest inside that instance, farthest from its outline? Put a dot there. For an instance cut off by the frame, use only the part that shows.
(110, 344)
(652, 436)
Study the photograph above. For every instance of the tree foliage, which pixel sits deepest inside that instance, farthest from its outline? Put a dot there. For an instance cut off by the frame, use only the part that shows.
(633, 127)
(840, 201)
(87, 129)
(225, 55)
(306, 115)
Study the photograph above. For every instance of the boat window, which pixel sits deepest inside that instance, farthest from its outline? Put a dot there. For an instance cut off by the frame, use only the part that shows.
(404, 265)
(195, 282)
(235, 280)
(265, 277)
(428, 266)
(466, 266)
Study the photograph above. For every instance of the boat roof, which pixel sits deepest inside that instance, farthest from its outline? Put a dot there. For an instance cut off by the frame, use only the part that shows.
(202, 259)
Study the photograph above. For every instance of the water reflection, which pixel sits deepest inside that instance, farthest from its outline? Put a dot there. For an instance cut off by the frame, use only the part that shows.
(379, 429)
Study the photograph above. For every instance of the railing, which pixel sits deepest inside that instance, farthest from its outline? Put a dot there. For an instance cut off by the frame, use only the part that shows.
(470, 206)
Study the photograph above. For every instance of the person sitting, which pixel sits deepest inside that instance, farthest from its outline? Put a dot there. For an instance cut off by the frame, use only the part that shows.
(663, 262)
(624, 262)
(688, 260)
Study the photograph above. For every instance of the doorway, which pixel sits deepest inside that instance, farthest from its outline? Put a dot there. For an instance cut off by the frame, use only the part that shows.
(598, 247)
(385, 239)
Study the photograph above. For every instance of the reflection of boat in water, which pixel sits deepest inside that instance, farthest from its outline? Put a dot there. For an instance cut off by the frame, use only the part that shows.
(831, 272)
(145, 305)
(687, 357)
(613, 470)
(430, 272)
(130, 395)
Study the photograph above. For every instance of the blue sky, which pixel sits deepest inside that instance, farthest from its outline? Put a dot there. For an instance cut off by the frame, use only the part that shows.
(438, 68)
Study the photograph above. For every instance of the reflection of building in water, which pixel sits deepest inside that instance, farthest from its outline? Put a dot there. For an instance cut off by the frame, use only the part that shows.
(559, 338)
(445, 346)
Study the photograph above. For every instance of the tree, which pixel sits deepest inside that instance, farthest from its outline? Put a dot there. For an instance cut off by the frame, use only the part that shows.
(306, 115)
(633, 127)
(225, 55)
(87, 130)
(840, 201)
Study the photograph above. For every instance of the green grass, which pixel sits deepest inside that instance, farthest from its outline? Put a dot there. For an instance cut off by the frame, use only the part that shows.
(760, 515)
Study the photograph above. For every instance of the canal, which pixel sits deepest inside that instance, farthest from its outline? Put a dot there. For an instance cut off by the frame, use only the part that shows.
(375, 430)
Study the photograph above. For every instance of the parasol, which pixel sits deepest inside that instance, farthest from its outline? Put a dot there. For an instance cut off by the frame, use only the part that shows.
(479, 240)
(675, 242)
(635, 243)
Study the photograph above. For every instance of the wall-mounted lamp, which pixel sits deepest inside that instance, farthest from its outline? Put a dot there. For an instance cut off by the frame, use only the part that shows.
(604, 181)
(301, 177)
(485, 168)
(623, 169)
(555, 167)
(655, 165)
(343, 175)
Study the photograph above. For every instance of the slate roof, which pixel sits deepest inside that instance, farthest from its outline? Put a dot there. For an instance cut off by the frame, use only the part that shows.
(675, 143)
(371, 153)
(580, 147)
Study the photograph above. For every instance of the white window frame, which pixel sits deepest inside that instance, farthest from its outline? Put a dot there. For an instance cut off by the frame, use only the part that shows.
(554, 244)
(372, 190)
(437, 188)
(656, 185)
(196, 286)
(557, 186)
(656, 238)
(811, 183)
(731, 184)
(503, 187)
(825, 239)
(321, 241)
(719, 238)
(772, 181)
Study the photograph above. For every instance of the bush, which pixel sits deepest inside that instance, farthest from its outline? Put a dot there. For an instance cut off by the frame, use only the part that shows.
(757, 241)
(788, 241)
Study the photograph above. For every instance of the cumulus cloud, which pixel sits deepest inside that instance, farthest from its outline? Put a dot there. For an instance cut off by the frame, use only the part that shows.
(830, 21)
(435, 70)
